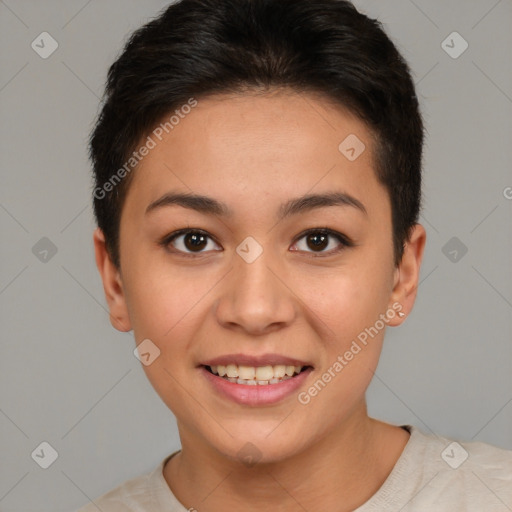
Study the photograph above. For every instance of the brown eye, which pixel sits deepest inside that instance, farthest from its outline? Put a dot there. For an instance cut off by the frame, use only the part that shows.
(316, 241)
(194, 241)
(189, 242)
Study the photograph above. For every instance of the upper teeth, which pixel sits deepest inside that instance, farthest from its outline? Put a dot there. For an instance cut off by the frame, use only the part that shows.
(263, 373)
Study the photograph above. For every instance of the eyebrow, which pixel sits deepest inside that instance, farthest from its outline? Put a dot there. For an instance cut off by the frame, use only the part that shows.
(209, 206)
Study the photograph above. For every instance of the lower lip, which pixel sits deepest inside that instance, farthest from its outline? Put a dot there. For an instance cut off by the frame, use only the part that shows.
(256, 395)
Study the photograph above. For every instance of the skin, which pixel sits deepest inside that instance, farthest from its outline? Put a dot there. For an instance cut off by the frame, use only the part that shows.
(253, 153)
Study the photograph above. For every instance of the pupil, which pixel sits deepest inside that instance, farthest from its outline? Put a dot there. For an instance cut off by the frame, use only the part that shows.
(195, 241)
(319, 241)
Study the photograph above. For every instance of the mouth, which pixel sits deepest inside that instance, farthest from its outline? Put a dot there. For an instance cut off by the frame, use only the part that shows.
(255, 380)
(267, 375)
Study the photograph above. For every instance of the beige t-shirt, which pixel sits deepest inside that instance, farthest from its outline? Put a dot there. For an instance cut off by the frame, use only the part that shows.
(433, 474)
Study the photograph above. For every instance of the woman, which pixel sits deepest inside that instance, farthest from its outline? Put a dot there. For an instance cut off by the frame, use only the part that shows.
(258, 187)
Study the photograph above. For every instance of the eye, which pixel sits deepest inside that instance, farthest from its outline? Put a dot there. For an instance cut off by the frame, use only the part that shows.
(318, 240)
(188, 242)
(191, 242)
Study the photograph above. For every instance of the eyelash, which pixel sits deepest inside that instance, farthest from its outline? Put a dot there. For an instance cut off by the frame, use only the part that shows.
(344, 241)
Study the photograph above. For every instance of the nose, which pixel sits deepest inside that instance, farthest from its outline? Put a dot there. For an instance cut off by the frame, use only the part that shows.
(256, 297)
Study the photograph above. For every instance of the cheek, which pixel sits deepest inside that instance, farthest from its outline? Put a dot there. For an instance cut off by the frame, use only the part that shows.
(166, 308)
(161, 299)
(349, 305)
(347, 299)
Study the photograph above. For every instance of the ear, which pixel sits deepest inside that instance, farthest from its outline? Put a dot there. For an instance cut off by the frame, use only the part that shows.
(112, 284)
(407, 275)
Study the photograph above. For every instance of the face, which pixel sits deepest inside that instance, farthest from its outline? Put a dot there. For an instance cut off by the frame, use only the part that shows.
(283, 268)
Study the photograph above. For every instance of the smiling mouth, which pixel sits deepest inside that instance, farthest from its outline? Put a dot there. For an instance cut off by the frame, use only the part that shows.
(256, 375)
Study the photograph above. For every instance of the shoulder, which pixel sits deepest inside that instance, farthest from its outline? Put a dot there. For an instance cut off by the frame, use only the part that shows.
(127, 497)
(138, 494)
(466, 455)
(146, 493)
(490, 465)
(469, 475)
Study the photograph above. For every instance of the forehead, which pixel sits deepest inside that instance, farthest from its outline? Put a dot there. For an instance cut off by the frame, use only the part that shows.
(248, 147)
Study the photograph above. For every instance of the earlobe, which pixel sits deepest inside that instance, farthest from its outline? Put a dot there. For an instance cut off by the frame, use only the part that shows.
(408, 273)
(112, 284)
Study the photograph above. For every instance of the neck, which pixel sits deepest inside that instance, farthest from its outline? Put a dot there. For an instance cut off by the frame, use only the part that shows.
(345, 467)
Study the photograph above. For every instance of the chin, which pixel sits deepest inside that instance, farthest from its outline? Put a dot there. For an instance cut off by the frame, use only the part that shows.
(251, 446)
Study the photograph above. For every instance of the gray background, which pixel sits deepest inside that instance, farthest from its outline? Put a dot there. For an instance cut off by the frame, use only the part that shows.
(68, 378)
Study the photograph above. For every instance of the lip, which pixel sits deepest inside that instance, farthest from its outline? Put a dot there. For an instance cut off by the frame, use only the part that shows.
(255, 395)
(261, 360)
